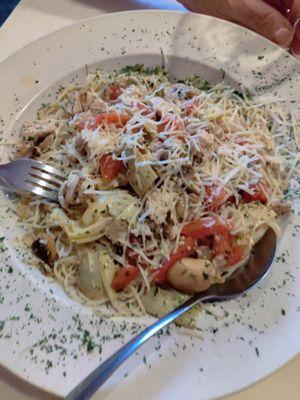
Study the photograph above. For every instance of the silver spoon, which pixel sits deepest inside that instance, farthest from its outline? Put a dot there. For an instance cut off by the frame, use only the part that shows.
(243, 279)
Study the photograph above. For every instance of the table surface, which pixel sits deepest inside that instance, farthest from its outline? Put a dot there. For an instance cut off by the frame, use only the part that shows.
(35, 18)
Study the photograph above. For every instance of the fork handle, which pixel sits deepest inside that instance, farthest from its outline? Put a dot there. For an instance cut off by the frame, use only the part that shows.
(86, 388)
(5, 185)
(5, 174)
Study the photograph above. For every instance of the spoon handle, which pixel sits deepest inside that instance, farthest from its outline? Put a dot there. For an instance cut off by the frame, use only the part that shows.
(86, 388)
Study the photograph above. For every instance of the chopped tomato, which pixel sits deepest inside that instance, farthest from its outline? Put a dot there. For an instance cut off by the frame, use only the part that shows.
(206, 226)
(237, 253)
(174, 124)
(184, 250)
(110, 168)
(207, 241)
(162, 125)
(135, 129)
(222, 244)
(177, 124)
(124, 276)
(216, 196)
(241, 142)
(112, 118)
(233, 254)
(143, 107)
(259, 191)
(132, 258)
(114, 92)
(135, 239)
(232, 199)
(119, 119)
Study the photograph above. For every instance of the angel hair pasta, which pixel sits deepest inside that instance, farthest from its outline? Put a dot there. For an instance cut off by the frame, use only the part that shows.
(168, 187)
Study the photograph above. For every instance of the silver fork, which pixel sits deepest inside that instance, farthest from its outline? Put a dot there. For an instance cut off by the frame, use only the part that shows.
(32, 176)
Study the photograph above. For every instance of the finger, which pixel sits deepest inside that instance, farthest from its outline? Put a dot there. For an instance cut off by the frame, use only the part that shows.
(263, 19)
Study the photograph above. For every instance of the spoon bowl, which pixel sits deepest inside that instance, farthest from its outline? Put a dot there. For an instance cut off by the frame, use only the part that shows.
(246, 277)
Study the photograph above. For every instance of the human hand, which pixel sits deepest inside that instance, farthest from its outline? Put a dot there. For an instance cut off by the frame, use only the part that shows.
(277, 24)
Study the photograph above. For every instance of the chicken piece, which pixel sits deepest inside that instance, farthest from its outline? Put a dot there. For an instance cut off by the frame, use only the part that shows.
(116, 231)
(38, 130)
(35, 138)
(163, 106)
(281, 206)
(98, 105)
(72, 193)
(81, 145)
(47, 143)
(159, 204)
(76, 101)
(191, 275)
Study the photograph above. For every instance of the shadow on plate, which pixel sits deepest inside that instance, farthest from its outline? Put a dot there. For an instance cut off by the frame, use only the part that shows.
(24, 387)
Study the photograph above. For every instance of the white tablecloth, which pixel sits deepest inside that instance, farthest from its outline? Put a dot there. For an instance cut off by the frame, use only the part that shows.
(35, 18)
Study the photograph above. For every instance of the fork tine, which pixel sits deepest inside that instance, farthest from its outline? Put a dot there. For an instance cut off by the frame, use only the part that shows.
(40, 182)
(33, 176)
(47, 168)
(39, 174)
(49, 194)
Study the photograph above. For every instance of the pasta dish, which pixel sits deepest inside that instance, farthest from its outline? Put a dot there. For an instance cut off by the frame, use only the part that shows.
(169, 184)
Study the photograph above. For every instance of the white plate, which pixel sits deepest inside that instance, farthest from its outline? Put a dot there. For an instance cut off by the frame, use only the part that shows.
(44, 335)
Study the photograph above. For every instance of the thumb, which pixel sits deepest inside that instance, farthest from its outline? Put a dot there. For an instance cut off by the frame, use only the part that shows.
(263, 19)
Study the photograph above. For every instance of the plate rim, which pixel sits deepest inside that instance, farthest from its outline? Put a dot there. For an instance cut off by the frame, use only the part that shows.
(80, 22)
